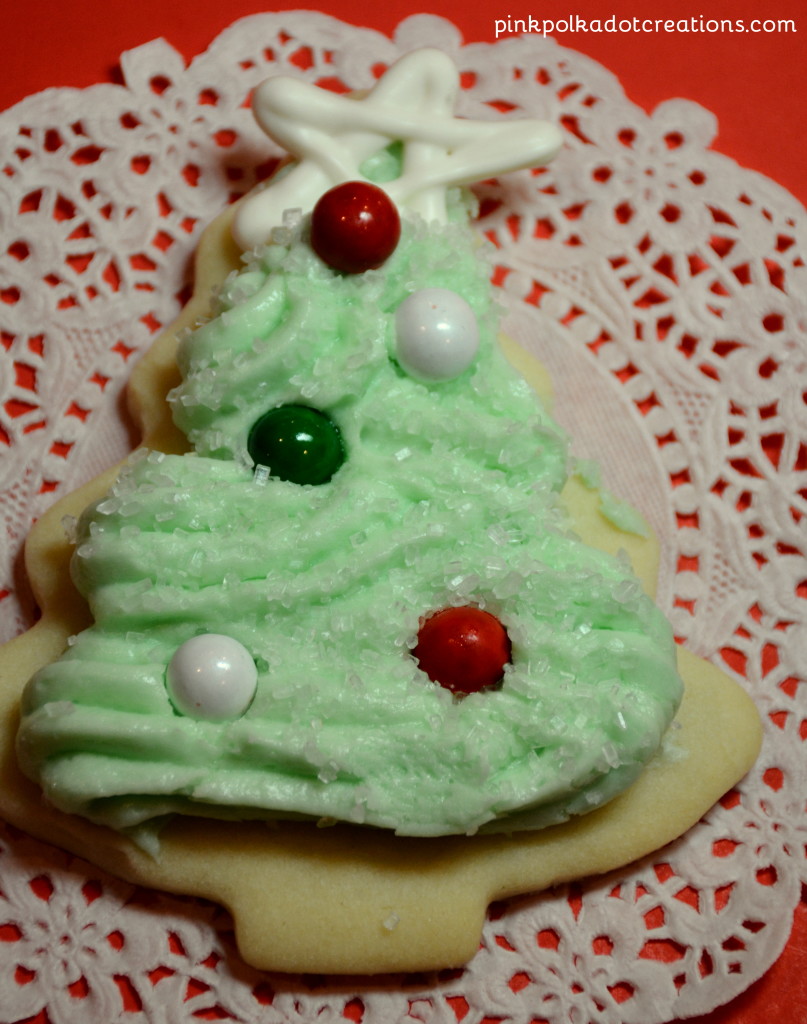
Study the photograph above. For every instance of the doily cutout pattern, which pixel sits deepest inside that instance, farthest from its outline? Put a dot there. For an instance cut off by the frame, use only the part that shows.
(663, 286)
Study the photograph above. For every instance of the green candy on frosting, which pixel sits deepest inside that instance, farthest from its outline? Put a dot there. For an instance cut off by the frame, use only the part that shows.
(449, 495)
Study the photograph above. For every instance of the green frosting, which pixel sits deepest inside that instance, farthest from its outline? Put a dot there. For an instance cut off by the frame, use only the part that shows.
(448, 496)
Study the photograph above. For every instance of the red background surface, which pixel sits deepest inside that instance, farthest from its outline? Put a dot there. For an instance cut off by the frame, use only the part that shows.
(754, 83)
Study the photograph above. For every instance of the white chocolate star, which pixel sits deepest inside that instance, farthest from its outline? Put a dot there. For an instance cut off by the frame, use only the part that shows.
(330, 137)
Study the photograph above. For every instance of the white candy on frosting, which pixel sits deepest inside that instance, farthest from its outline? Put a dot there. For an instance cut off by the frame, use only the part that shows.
(213, 677)
(437, 336)
(331, 136)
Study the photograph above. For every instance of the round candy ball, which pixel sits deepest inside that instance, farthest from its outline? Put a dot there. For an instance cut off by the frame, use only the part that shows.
(436, 334)
(212, 677)
(354, 227)
(297, 443)
(463, 649)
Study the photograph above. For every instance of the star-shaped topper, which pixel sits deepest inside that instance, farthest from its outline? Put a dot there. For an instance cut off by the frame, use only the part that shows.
(330, 136)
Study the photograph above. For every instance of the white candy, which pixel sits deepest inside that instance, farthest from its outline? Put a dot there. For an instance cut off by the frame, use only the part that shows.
(437, 336)
(212, 677)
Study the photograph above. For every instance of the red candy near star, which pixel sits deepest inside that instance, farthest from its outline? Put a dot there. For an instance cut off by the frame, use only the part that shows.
(354, 227)
(463, 649)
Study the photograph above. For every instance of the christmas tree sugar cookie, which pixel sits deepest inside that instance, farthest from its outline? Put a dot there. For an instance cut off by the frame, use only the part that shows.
(340, 623)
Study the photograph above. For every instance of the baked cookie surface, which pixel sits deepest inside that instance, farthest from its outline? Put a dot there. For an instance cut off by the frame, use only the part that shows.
(372, 872)
(348, 899)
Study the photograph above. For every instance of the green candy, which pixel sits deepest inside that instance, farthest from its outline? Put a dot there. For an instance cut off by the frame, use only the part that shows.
(298, 444)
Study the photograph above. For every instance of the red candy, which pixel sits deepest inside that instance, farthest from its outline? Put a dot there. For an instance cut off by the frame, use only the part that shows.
(354, 227)
(463, 649)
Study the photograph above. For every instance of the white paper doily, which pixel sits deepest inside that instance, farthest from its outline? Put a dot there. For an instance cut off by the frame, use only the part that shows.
(663, 285)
